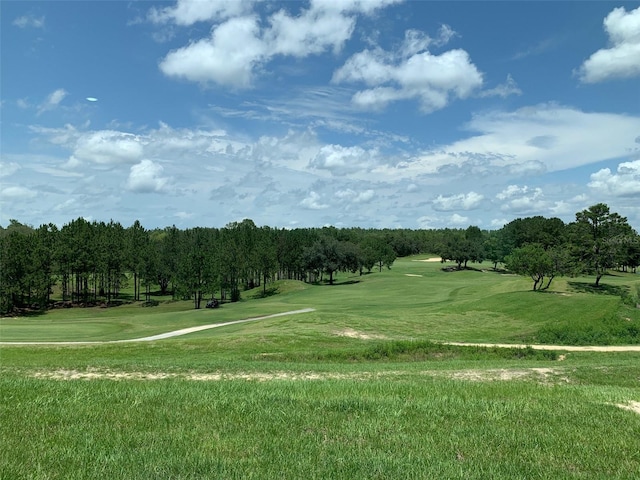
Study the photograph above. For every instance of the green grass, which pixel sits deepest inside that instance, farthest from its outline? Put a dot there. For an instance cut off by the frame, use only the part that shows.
(359, 388)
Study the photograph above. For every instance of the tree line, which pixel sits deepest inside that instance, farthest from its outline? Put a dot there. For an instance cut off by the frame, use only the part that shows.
(91, 262)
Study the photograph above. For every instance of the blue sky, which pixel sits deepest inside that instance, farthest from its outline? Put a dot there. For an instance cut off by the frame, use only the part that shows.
(370, 113)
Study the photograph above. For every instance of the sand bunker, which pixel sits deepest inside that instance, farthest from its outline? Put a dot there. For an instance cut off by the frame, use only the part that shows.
(431, 259)
(412, 275)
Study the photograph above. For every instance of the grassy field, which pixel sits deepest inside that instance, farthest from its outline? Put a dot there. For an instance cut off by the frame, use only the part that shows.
(359, 388)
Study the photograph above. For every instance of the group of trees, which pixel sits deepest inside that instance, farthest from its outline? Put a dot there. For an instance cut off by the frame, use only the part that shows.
(91, 262)
(544, 248)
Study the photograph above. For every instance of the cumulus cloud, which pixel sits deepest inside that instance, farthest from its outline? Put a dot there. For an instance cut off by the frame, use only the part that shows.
(229, 57)
(53, 100)
(522, 200)
(624, 183)
(622, 58)
(463, 201)
(188, 12)
(498, 223)
(410, 72)
(146, 177)
(108, 147)
(341, 160)
(242, 43)
(29, 21)
(456, 219)
(356, 197)
(313, 202)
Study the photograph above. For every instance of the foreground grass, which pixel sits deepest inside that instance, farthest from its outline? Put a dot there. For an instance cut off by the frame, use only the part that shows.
(405, 426)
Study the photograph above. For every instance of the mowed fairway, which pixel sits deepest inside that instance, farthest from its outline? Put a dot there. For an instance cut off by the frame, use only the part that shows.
(354, 389)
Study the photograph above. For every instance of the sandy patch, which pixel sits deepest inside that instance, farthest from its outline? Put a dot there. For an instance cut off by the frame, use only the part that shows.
(566, 348)
(539, 374)
(412, 275)
(431, 259)
(193, 376)
(632, 406)
(351, 333)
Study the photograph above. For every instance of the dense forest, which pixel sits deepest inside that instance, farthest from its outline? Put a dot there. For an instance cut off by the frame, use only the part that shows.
(88, 263)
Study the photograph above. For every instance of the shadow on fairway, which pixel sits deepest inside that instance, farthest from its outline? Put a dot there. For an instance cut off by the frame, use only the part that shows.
(602, 289)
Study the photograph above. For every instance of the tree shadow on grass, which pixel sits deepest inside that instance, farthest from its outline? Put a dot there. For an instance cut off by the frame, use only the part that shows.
(602, 289)
(336, 283)
(27, 312)
(269, 292)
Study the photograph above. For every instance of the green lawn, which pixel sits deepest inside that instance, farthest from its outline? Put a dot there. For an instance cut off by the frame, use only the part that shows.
(352, 390)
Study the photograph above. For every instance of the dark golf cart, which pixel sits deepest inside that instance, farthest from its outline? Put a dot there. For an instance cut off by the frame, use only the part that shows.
(213, 303)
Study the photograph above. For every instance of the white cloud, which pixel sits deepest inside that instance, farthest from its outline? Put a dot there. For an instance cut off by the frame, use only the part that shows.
(456, 219)
(8, 169)
(356, 197)
(108, 147)
(17, 193)
(522, 200)
(53, 100)
(341, 160)
(509, 87)
(188, 12)
(498, 223)
(462, 201)
(622, 58)
(228, 58)
(624, 183)
(410, 72)
(312, 32)
(241, 43)
(530, 140)
(146, 177)
(312, 201)
(29, 21)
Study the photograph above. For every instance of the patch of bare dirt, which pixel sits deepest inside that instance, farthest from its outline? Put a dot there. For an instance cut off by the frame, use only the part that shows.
(566, 348)
(351, 333)
(543, 375)
(194, 376)
(632, 406)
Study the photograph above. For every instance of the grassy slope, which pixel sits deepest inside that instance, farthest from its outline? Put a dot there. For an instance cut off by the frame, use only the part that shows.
(387, 418)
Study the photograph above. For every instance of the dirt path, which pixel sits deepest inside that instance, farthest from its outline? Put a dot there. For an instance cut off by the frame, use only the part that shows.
(175, 333)
(567, 348)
